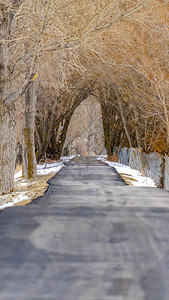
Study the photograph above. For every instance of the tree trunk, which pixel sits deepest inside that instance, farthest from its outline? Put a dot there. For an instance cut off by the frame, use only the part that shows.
(7, 114)
(62, 138)
(91, 141)
(53, 141)
(107, 131)
(29, 158)
(48, 132)
(7, 150)
(136, 116)
(127, 131)
(108, 138)
(167, 124)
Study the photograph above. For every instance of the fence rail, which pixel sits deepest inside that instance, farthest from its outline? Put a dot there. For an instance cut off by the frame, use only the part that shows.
(152, 165)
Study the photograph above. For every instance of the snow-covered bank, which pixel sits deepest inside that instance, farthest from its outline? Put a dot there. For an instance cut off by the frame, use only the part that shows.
(131, 176)
(47, 168)
(21, 183)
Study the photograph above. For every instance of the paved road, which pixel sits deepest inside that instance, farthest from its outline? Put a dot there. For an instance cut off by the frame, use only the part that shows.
(91, 237)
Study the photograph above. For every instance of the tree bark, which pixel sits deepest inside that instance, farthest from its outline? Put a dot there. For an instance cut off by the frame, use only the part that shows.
(7, 150)
(29, 157)
(53, 141)
(7, 114)
(137, 131)
(107, 133)
(62, 138)
(127, 131)
(49, 128)
(91, 136)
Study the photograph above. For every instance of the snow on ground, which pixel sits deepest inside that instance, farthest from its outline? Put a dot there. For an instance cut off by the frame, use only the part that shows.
(18, 198)
(131, 176)
(44, 169)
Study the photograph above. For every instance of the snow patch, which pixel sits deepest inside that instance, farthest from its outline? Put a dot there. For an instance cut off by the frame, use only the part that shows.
(16, 199)
(133, 176)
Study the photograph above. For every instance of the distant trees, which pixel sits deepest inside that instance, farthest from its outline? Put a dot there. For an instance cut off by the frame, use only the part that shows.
(85, 133)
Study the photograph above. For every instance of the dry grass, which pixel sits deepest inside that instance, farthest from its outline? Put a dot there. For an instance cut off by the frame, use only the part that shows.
(127, 178)
(113, 158)
(32, 188)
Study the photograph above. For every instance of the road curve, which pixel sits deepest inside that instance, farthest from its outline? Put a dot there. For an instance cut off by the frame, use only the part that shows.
(90, 237)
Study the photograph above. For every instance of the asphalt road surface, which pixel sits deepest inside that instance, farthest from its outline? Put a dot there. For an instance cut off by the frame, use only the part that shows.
(90, 237)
